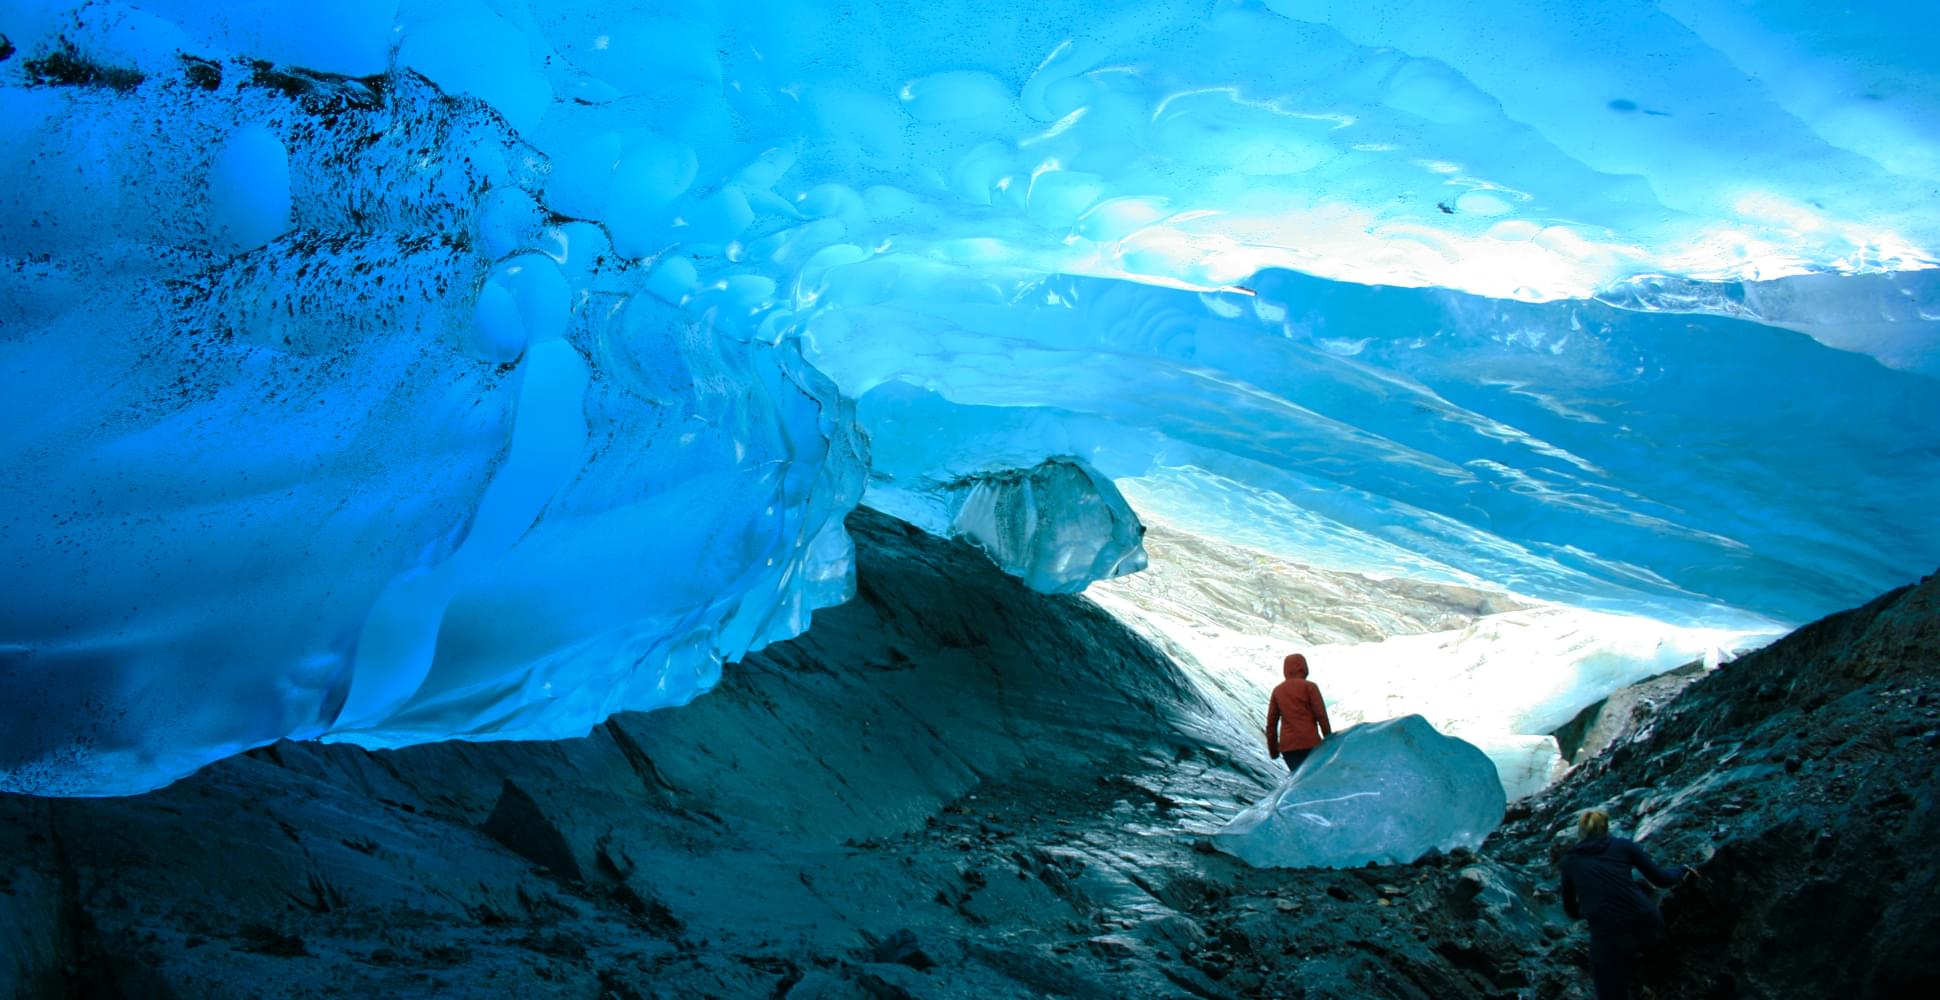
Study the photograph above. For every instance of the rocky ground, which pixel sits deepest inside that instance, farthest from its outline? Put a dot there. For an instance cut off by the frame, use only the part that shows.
(1804, 780)
(954, 787)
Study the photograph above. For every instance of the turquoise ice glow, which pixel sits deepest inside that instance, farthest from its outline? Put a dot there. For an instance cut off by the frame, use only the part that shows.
(395, 371)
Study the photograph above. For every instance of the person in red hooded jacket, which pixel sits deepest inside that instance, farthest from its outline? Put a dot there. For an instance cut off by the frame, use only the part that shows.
(1296, 716)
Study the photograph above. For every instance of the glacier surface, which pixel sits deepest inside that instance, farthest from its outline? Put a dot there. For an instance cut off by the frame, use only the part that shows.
(1499, 674)
(391, 370)
(1382, 792)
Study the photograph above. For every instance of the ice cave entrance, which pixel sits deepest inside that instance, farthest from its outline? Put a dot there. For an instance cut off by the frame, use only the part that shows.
(392, 372)
(1521, 679)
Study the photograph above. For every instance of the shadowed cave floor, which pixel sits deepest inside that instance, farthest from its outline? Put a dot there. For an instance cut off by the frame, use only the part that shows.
(956, 787)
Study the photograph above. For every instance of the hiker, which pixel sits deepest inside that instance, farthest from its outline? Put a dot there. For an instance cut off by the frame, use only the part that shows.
(1292, 715)
(1597, 887)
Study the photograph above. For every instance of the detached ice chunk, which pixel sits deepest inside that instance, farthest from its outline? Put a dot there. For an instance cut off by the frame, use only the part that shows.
(1057, 526)
(1387, 792)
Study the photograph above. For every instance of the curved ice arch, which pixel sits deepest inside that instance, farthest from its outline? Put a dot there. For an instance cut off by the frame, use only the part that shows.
(713, 158)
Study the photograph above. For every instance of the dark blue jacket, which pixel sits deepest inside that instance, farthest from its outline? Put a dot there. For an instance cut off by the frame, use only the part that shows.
(1597, 884)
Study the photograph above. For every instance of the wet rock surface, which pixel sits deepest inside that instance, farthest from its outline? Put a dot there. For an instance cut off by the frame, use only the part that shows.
(1798, 782)
(954, 787)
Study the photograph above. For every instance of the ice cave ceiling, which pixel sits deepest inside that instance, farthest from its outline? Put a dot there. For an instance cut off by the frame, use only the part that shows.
(388, 371)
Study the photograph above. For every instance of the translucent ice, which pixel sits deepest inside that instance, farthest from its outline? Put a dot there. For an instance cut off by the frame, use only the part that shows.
(1573, 452)
(1383, 792)
(1892, 317)
(1058, 526)
(1524, 764)
(311, 432)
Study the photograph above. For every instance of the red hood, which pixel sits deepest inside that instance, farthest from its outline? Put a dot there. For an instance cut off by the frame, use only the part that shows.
(1296, 666)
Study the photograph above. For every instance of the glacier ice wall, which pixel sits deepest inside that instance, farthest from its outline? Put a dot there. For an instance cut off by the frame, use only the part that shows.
(392, 370)
(316, 428)
(1572, 451)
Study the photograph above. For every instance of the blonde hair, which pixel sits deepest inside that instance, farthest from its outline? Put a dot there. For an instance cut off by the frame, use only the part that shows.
(1593, 823)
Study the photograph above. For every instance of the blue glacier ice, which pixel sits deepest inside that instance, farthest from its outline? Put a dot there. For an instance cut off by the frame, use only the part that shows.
(1057, 525)
(1381, 792)
(389, 371)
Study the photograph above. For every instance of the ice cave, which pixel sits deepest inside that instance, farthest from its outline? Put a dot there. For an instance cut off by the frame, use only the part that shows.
(804, 498)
